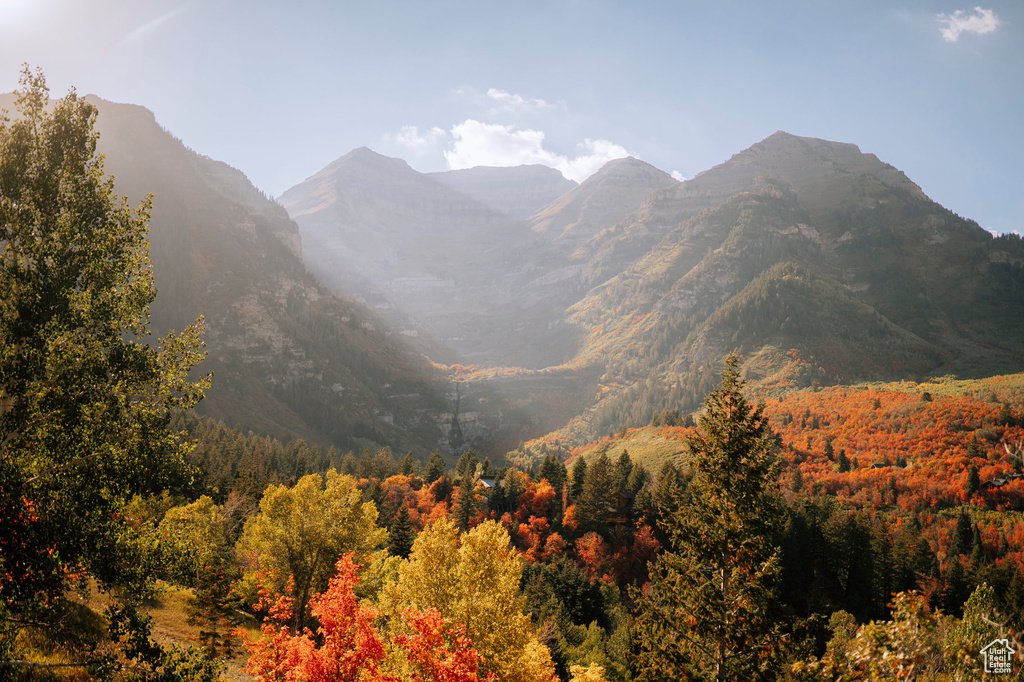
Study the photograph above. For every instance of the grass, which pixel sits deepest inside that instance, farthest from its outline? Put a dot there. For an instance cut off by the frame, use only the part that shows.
(648, 446)
(169, 627)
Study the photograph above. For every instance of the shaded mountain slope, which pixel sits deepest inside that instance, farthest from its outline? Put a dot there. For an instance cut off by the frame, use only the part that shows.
(290, 358)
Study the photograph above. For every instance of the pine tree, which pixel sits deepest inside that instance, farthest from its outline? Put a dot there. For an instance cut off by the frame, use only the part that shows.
(973, 481)
(435, 466)
(465, 505)
(960, 543)
(467, 464)
(408, 464)
(842, 463)
(579, 475)
(623, 468)
(554, 471)
(401, 535)
(593, 503)
(708, 612)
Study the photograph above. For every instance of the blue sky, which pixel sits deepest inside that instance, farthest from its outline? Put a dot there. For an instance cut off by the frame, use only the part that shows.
(280, 89)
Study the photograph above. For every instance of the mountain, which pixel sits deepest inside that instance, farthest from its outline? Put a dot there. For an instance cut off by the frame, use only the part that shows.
(433, 261)
(818, 263)
(518, 191)
(600, 201)
(289, 357)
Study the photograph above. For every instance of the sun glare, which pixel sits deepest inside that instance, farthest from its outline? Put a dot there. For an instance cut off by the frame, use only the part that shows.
(15, 10)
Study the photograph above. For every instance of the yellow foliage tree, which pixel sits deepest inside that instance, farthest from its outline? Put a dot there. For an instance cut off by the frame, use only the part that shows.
(590, 673)
(473, 580)
(300, 533)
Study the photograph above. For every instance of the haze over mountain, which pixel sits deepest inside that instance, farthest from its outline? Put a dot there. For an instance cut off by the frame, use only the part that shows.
(819, 263)
(518, 191)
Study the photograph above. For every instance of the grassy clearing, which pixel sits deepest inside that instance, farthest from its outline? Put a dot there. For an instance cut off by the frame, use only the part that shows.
(170, 627)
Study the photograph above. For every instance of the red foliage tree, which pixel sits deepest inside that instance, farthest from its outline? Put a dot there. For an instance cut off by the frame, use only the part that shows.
(348, 648)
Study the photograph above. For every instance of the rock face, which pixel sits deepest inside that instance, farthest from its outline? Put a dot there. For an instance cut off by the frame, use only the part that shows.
(289, 357)
(517, 192)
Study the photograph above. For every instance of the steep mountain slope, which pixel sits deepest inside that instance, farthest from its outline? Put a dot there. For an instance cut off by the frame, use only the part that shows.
(518, 191)
(289, 357)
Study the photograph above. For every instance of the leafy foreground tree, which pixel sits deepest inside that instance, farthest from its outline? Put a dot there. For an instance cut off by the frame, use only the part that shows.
(706, 613)
(347, 647)
(84, 404)
(299, 534)
(472, 580)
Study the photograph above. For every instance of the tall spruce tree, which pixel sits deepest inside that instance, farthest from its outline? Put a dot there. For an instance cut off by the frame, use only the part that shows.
(435, 466)
(708, 611)
(465, 504)
(401, 535)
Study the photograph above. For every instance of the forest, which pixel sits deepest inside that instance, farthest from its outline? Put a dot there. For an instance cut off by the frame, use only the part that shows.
(850, 532)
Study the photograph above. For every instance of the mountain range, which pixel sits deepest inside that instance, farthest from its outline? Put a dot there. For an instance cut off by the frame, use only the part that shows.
(372, 304)
(818, 263)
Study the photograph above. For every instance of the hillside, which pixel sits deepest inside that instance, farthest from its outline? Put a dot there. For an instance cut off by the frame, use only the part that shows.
(433, 261)
(289, 357)
(884, 286)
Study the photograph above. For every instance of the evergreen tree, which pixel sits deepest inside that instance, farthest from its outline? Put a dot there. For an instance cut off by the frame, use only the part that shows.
(579, 475)
(842, 463)
(401, 535)
(796, 482)
(408, 464)
(668, 489)
(638, 478)
(963, 534)
(708, 613)
(435, 466)
(623, 468)
(465, 505)
(553, 470)
(467, 464)
(592, 506)
(973, 481)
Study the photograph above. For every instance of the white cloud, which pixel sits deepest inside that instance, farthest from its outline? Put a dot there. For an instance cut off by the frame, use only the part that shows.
(980, 22)
(416, 142)
(677, 176)
(491, 144)
(516, 103)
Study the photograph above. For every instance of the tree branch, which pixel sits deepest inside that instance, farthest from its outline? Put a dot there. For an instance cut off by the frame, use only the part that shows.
(61, 467)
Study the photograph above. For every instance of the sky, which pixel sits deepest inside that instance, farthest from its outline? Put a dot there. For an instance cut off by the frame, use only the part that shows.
(280, 89)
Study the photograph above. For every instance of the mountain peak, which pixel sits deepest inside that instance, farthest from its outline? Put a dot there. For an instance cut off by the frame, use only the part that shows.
(600, 201)
(629, 171)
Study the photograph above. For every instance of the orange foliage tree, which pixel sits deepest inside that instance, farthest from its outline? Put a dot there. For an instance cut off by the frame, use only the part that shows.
(347, 647)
